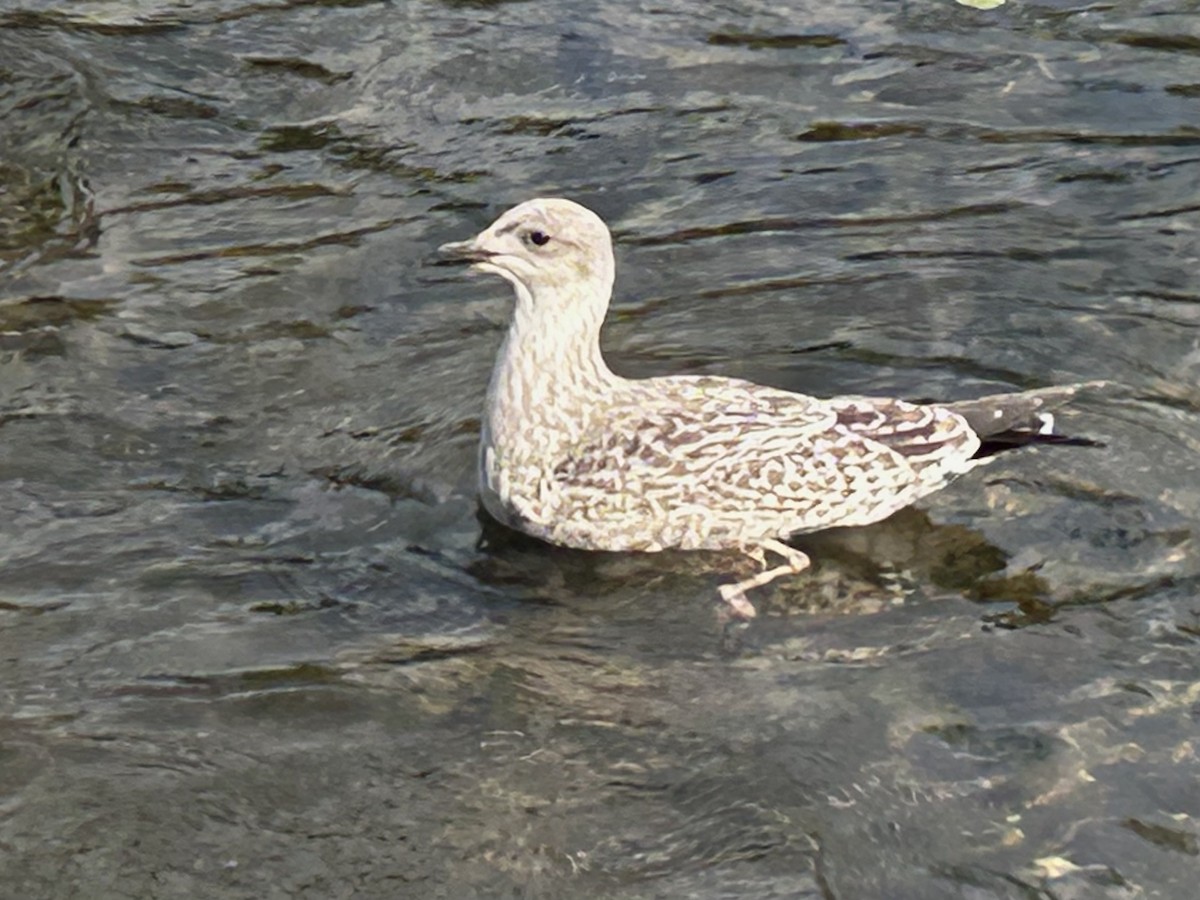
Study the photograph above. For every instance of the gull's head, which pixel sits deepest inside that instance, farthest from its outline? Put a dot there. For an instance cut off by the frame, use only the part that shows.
(545, 246)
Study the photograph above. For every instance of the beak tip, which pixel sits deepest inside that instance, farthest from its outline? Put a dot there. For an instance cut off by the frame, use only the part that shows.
(463, 251)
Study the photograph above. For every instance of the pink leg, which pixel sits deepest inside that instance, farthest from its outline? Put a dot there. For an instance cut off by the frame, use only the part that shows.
(735, 594)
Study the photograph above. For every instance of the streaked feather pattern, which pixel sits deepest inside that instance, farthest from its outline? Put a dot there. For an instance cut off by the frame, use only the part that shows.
(711, 462)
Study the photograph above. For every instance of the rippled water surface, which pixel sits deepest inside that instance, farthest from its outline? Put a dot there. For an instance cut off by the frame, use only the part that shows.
(255, 640)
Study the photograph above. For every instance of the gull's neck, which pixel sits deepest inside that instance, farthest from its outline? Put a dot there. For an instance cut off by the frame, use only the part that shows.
(550, 374)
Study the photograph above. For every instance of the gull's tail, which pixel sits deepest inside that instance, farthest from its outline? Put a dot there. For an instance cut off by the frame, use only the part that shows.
(1006, 421)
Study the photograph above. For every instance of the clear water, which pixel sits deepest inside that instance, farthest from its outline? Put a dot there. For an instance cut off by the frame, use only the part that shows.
(255, 641)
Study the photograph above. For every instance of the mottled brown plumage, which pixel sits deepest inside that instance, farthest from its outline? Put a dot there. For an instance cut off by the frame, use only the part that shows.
(576, 455)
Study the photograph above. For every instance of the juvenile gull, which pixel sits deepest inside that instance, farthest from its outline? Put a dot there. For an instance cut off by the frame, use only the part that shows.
(575, 455)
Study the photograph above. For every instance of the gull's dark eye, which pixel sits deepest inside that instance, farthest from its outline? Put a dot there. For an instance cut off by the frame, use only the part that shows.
(539, 238)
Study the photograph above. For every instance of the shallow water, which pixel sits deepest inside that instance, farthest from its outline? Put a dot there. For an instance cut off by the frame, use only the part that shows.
(255, 640)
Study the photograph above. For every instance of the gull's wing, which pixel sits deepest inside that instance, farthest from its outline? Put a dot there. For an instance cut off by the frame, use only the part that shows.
(935, 441)
(707, 462)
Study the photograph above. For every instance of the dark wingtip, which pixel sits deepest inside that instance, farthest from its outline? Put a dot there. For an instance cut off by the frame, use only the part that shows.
(1013, 440)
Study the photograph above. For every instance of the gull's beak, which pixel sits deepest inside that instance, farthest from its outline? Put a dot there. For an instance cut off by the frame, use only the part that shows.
(465, 251)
